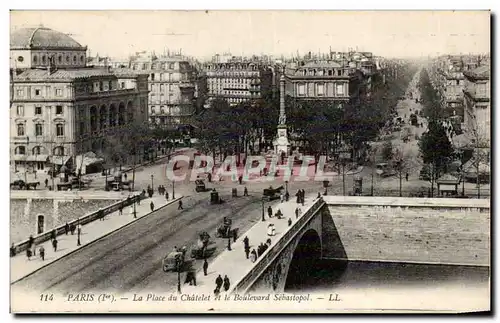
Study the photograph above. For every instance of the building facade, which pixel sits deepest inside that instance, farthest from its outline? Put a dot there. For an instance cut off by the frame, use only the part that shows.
(58, 111)
(237, 80)
(323, 80)
(172, 88)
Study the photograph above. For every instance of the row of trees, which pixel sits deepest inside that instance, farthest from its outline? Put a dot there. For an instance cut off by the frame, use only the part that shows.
(435, 147)
(133, 143)
(322, 125)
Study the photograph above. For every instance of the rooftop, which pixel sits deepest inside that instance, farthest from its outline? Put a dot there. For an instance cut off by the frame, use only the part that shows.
(480, 73)
(72, 74)
(41, 38)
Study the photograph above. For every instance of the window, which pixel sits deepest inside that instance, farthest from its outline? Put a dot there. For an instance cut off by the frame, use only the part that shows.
(38, 110)
(171, 66)
(110, 85)
(20, 93)
(67, 59)
(302, 89)
(20, 59)
(74, 59)
(44, 59)
(59, 109)
(320, 89)
(82, 59)
(162, 110)
(35, 59)
(59, 59)
(339, 72)
(20, 129)
(162, 87)
(59, 151)
(58, 92)
(152, 110)
(143, 66)
(38, 129)
(458, 82)
(82, 127)
(123, 85)
(101, 86)
(39, 166)
(340, 89)
(162, 66)
(37, 150)
(20, 110)
(38, 92)
(20, 150)
(152, 76)
(60, 130)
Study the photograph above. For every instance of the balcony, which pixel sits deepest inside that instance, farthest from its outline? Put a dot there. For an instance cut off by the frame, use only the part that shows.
(106, 94)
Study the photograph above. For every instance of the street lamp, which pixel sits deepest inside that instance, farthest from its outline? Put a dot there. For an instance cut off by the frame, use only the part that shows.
(135, 213)
(263, 217)
(152, 177)
(173, 189)
(286, 187)
(178, 267)
(229, 240)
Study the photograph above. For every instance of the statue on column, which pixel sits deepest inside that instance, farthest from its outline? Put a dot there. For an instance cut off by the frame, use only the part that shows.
(282, 119)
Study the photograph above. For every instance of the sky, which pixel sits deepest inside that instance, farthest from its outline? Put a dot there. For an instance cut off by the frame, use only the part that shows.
(204, 33)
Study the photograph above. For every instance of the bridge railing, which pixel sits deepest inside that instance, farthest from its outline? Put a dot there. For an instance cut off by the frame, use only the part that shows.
(270, 254)
(45, 236)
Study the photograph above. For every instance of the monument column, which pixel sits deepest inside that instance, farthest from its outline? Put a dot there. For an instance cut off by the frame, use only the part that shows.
(281, 144)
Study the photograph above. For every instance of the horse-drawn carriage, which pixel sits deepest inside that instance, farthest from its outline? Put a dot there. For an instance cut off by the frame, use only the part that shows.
(271, 193)
(202, 250)
(225, 230)
(174, 261)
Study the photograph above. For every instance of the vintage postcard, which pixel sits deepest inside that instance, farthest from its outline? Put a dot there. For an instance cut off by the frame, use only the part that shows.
(250, 161)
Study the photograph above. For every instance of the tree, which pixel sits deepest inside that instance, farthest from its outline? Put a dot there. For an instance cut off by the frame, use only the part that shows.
(387, 150)
(430, 98)
(436, 150)
(480, 160)
(401, 167)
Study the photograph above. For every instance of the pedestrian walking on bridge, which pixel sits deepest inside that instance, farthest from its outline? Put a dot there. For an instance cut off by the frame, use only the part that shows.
(205, 267)
(66, 228)
(270, 211)
(54, 244)
(226, 283)
(246, 242)
(245, 191)
(42, 253)
(247, 251)
(166, 196)
(152, 206)
(218, 282)
(180, 205)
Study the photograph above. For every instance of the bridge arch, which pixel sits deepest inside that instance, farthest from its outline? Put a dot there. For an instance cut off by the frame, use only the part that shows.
(306, 254)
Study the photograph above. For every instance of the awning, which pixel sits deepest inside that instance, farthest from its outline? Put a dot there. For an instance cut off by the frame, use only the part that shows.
(59, 160)
(38, 158)
(88, 159)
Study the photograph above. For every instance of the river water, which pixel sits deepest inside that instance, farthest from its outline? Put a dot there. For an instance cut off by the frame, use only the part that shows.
(388, 285)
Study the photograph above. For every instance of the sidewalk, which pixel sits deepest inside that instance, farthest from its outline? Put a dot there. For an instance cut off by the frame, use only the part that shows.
(93, 231)
(234, 263)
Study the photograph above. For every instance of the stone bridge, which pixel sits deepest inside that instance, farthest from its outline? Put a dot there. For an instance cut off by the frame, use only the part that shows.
(409, 230)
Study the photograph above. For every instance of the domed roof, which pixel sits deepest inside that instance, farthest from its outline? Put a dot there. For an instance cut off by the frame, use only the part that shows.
(33, 38)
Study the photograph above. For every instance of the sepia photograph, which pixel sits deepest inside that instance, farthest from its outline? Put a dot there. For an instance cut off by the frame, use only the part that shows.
(249, 161)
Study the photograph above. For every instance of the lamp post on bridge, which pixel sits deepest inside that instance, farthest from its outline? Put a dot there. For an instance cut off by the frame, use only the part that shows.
(173, 189)
(263, 216)
(178, 266)
(152, 186)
